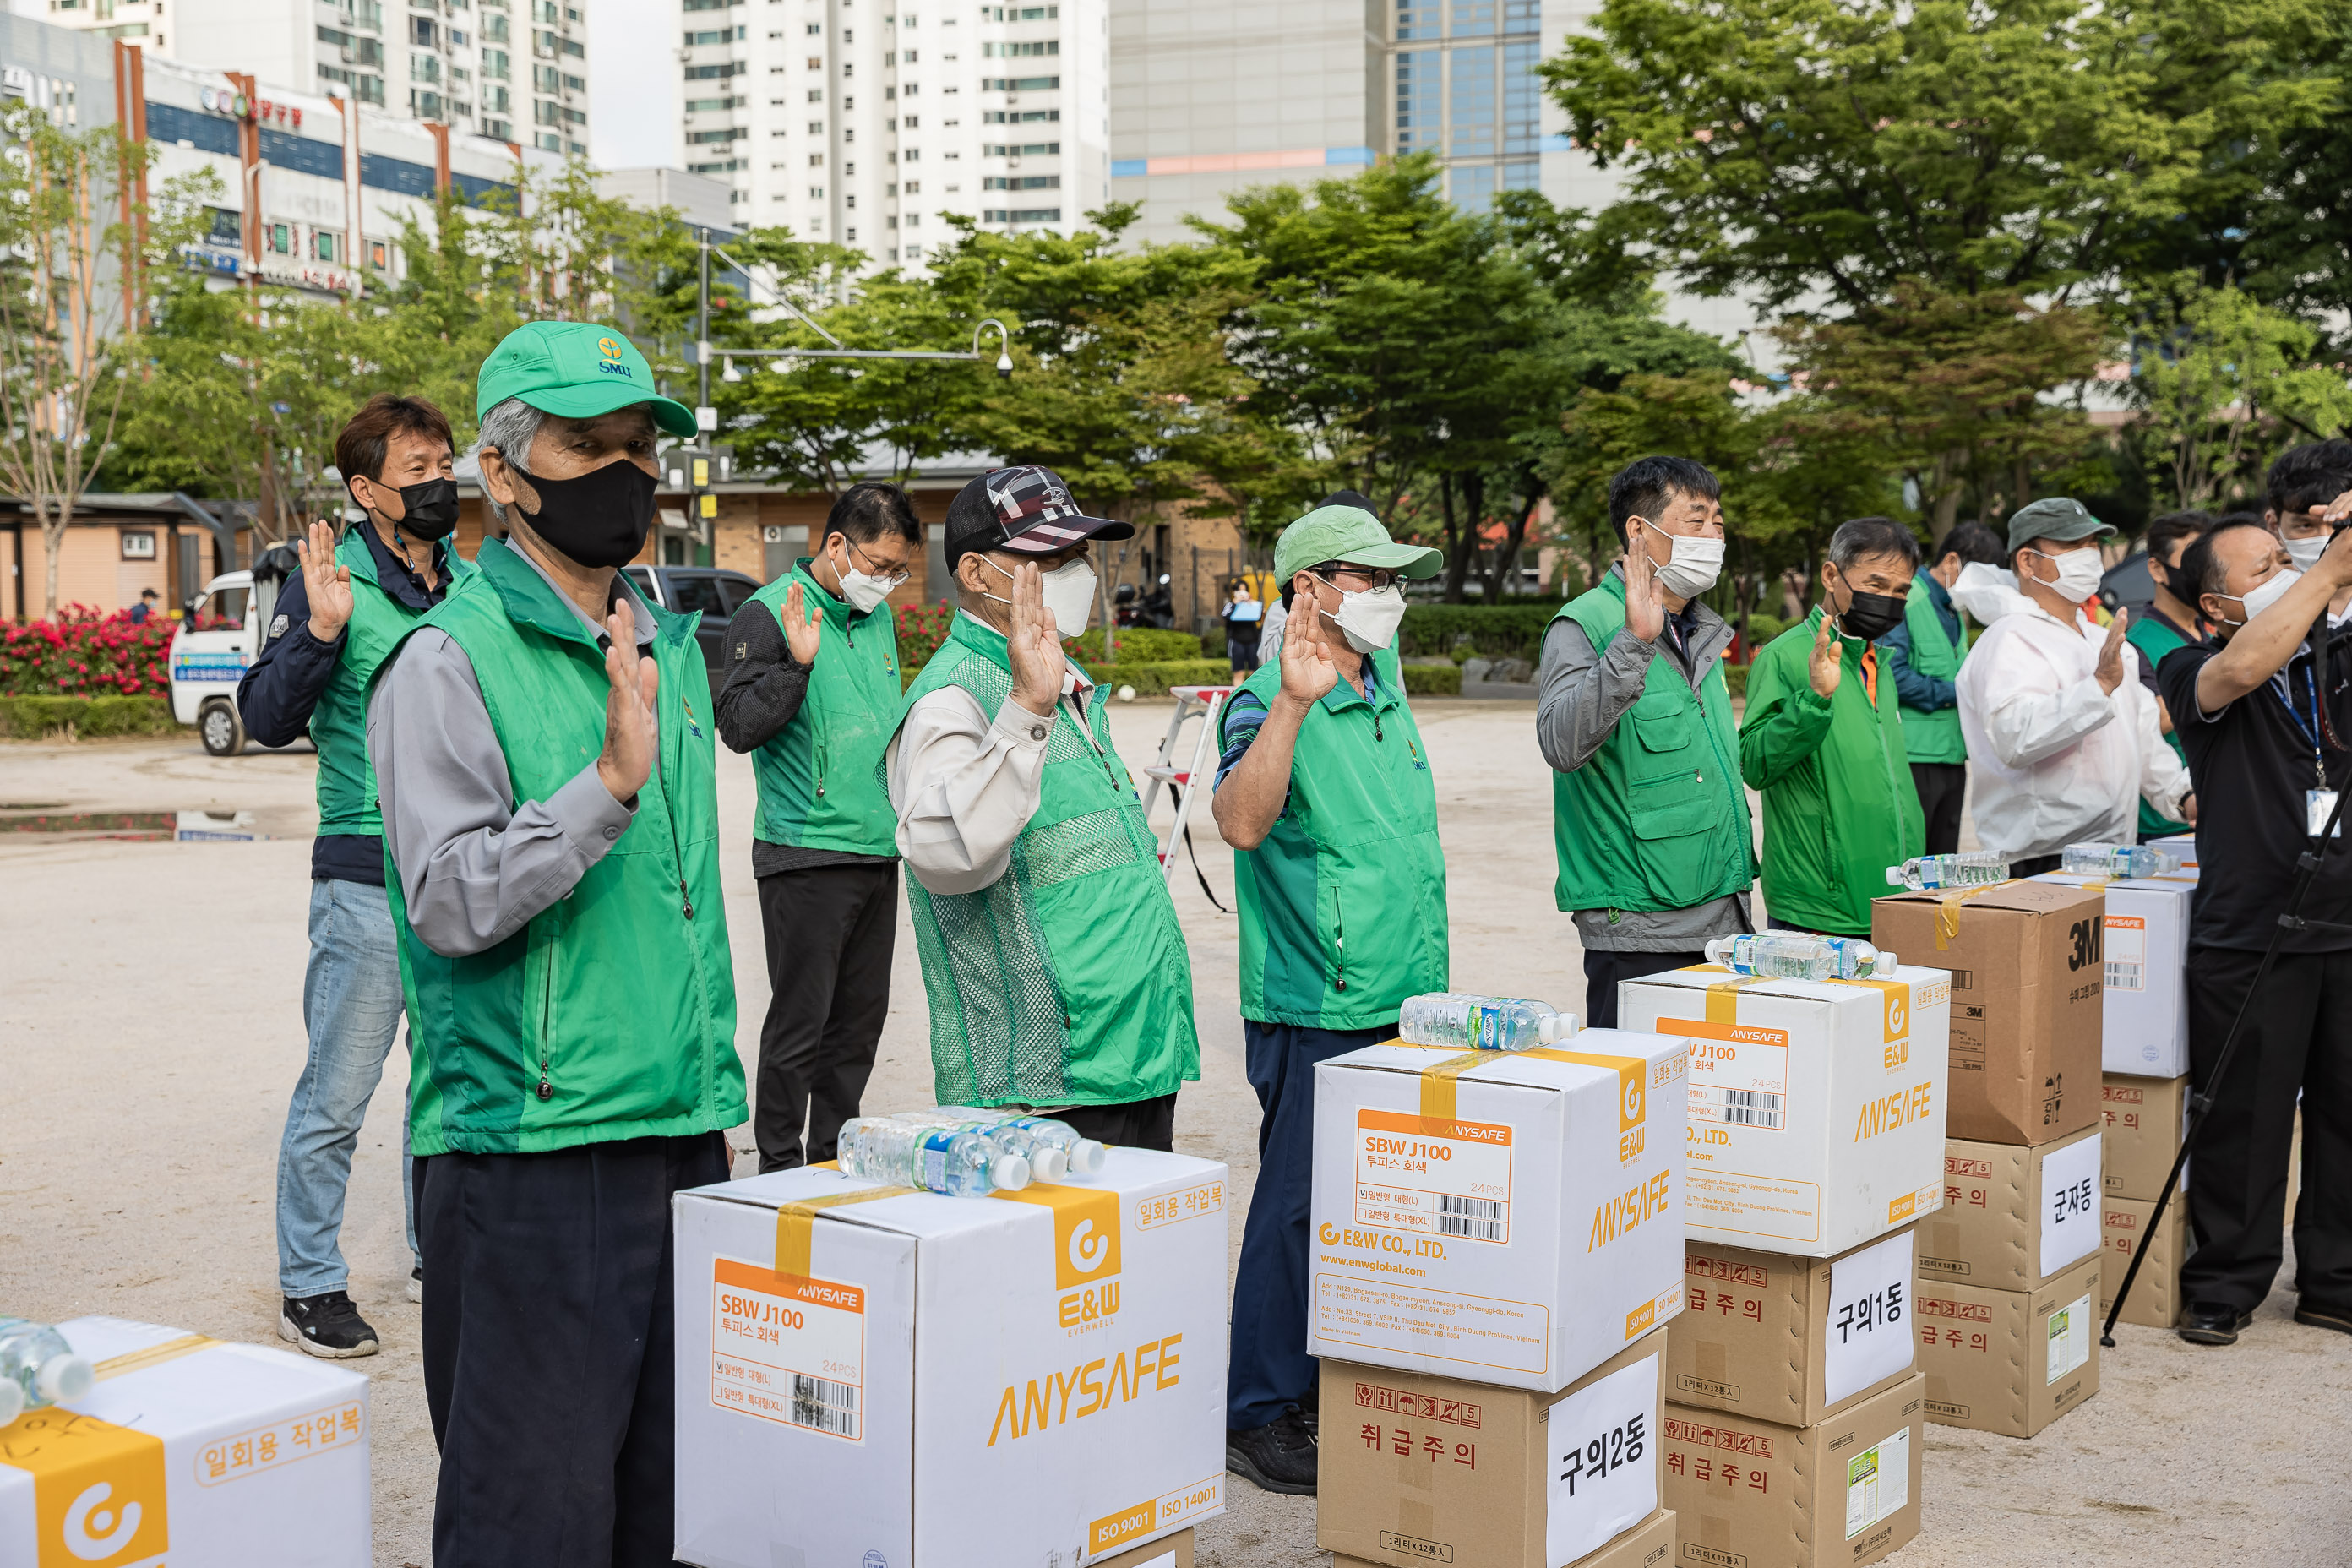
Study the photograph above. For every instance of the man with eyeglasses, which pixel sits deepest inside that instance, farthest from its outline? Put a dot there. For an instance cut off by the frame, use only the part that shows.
(813, 693)
(1324, 789)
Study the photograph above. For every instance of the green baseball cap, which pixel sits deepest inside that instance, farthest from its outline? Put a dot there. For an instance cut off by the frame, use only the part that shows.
(1349, 533)
(576, 369)
(2062, 518)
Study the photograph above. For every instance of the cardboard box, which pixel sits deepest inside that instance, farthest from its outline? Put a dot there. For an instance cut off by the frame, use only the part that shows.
(1790, 1340)
(2012, 1216)
(2146, 1118)
(2027, 1005)
(1515, 1217)
(2009, 1361)
(1043, 1370)
(1418, 1468)
(192, 1451)
(1748, 1493)
(1815, 1125)
(1168, 1552)
(1649, 1544)
(2143, 1024)
(2156, 1299)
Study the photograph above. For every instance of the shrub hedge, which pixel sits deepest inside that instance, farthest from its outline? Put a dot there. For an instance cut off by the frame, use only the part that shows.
(1432, 680)
(30, 718)
(1513, 630)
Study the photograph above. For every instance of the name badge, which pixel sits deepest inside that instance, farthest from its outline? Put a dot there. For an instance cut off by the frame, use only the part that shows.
(2318, 805)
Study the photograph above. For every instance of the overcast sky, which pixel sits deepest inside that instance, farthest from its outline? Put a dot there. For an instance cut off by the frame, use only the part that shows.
(633, 96)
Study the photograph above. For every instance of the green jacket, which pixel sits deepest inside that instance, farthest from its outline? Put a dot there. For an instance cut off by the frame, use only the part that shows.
(611, 1014)
(1066, 980)
(1655, 819)
(820, 777)
(1343, 904)
(346, 778)
(1932, 737)
(2154, 639)
(1839, 803)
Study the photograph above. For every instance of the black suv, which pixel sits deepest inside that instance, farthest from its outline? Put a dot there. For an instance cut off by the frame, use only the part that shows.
(717, 594)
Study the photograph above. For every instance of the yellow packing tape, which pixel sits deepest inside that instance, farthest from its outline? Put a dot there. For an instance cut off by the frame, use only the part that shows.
(1438, 1093)
(796, 1224)
(1722, 998)
(1947, 913)
(154, 1355)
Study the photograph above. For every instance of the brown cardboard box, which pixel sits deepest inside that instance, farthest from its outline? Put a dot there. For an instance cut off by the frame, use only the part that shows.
(2027, 1011)
(1767, 1335)
(2145, 1116)
(1755, 1494)
(2013, 1216)
(2008, 1361)
(1168, 1552)
(1649, 1544)
(2156, 1299)
(1421, 1469)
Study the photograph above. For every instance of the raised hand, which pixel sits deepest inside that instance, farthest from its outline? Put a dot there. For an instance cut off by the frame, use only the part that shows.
(1307, 671)
(804, 628)
(631, 730)
(326, 582)
(1035, 644)
(1826, 667)
(2110, 672)
(1645, 615)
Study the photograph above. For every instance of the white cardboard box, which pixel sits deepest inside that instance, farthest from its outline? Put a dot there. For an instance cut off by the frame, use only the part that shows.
(1513, 1217)
(1816, 1118)
(2145, 1018)
(2183, 845)
(189, 1452)
(950, 1382)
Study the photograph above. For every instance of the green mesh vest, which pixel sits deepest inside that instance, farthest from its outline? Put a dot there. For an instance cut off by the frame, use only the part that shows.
(821, 776)
(346, 779)
(611, 1014)
(1932, 737)
(1066, 980)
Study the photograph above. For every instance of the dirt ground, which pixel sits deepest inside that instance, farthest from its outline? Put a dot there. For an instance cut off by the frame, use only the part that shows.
(151, 1032)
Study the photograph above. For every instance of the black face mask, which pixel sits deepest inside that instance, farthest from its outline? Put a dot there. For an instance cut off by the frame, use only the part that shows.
(600, 519)
(431, 509)
(1872, 615)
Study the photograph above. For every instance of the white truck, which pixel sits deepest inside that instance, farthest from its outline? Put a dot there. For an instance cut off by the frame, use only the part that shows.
(216, 638)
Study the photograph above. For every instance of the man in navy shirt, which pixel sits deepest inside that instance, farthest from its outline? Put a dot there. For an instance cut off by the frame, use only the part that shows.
(334, 623)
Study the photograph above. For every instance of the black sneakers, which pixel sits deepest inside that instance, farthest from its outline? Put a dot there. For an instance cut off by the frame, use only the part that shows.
(326, 1325)
(1279, 1458)
(416, 1283)
(2207, 1324)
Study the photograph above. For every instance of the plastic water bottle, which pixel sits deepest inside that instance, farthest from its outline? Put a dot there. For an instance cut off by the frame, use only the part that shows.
(36, 1368)
(2117, 861)
(1800, 956)
(1929, 873)
(958, 1162)
(1473, 1023)
(1057, 1143)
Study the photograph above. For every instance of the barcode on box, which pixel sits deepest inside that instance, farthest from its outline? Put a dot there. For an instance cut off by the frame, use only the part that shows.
(1481, 1219)
(825, 1406)
(2123, 976)
(1751, 1108)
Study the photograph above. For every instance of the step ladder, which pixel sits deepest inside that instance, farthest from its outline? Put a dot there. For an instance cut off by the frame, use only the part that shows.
(1204, 703)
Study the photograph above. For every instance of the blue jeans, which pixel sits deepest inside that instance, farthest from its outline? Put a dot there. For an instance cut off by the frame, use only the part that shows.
(352, 1009)
(1271, 1370)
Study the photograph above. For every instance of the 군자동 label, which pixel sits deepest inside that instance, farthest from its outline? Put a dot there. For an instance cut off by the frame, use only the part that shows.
(1440, 1178)
(2127, 953)
(2070, 1338)
(2070, 1205)
(1738, 1073)
(1877, 1482)
(789, 1349)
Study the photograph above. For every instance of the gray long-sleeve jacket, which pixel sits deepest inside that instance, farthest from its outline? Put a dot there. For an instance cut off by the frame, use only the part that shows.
(476, 864)
(1580, 697)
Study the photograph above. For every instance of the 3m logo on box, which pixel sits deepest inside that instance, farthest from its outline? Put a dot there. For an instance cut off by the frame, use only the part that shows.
(1423, 1406)
(99, 1490)
(1712, 1436)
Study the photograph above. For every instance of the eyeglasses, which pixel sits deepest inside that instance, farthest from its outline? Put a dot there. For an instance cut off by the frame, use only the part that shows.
(1374, 579)
(866, 563)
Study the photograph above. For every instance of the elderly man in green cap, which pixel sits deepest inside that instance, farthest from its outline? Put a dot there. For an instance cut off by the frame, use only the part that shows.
(2064, 739)
(1324, 788)
(544, 761)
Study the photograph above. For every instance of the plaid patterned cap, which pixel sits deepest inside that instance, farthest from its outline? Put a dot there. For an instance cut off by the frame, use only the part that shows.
(1026, 510)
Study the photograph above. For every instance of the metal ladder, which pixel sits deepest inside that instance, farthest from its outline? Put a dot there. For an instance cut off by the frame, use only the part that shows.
(1204, 703)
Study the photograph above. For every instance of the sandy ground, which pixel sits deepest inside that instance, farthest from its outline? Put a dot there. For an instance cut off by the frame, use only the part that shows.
(151, 1030)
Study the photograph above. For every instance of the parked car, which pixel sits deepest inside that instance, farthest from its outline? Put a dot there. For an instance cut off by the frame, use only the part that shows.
(717, 593)
(210, 648)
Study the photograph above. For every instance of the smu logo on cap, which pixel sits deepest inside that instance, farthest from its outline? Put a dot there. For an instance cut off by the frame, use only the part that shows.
(610, 349)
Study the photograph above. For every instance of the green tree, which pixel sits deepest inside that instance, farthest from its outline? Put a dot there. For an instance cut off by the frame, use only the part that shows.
(2219, 375)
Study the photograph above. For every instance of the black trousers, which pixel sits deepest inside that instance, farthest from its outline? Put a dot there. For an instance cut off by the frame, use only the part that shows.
(1136, 1124)
(2035, 865)
(1603, 969)
(1942, 788)
(550, 1351)
(829, 930)
(2297, 1041)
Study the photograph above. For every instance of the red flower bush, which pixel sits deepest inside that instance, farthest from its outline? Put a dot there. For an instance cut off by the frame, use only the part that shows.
(921, 629)
(85, 653)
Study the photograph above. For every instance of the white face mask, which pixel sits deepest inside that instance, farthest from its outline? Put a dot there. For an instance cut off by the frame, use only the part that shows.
(2080, 574)
(864, 593)
(1367, 619)
(1068, 591)
(1697, 562)
(2263, 594)
(2305, 552)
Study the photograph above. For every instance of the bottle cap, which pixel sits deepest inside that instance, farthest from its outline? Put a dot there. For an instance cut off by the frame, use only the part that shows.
(1086, 1157)
(1556, 1028)
(63, 1377)
(1894, 876)
(1009, 1173)
(1050, 1166)
(11, 1400)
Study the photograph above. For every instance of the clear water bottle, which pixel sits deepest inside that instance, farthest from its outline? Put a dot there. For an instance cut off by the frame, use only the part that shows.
(1057, 1143)
(1473, 1023)
(1800, 956)
(2117, 860)
(958, 1162)
(1929, 873)
(36, 1368)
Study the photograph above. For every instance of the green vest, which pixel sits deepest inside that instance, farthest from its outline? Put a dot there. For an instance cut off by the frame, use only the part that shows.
(2154, 639)
(611, 1014)
(1343, 905)
(346, 778)
(821, 776)
(1932, 737)
(1656, 818)
(1065, 982)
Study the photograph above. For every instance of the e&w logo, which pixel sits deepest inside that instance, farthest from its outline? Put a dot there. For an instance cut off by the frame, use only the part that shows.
(1085, 1250)
(100, 1495)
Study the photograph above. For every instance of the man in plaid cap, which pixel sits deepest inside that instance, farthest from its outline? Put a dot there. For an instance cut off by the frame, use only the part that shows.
(1056, 973)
